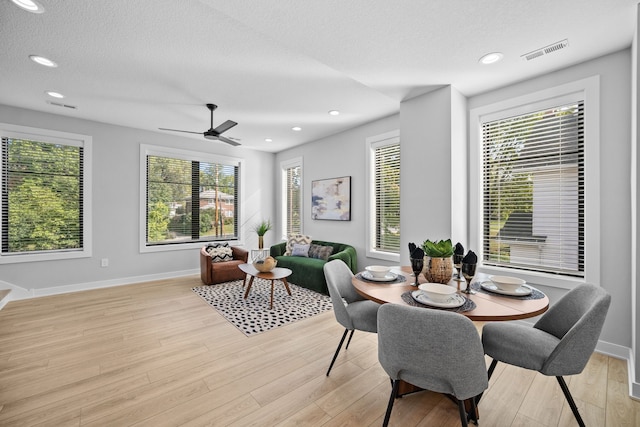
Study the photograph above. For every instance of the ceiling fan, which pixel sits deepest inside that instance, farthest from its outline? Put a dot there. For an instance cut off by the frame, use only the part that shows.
(213, 133)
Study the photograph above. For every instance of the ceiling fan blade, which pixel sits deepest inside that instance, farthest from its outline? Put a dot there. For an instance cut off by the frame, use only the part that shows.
(178, 130)
(225, 126)
(228, 141)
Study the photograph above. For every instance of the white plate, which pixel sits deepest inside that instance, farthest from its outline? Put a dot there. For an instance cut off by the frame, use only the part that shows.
(397, 270)
(387, 278)
(455, 300)
(522, 291)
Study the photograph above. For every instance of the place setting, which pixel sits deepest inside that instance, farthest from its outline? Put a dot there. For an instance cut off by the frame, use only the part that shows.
(380, 274)
(439, 296)
(508, 286)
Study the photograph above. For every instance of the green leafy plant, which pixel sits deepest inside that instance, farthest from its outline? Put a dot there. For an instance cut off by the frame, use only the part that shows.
(262, 227)
(440, 249)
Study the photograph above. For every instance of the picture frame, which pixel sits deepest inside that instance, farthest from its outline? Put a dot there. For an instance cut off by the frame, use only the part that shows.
(331, 199)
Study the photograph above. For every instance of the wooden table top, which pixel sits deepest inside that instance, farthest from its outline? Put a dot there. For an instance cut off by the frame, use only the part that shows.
(489, 307)
(275, 274)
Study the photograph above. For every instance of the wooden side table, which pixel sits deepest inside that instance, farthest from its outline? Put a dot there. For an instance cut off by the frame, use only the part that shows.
(277, 273)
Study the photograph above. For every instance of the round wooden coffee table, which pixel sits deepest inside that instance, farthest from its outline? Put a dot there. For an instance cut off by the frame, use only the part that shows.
(277, 273)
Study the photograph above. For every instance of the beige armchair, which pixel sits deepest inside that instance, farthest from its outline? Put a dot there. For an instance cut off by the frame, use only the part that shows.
(225, 271)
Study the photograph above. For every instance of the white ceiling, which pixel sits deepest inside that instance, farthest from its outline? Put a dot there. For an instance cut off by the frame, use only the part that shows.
(273, 64)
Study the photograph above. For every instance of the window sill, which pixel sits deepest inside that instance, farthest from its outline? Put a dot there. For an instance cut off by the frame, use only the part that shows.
(183, 246)
(386, 256)
(44, 256)
(535, 278)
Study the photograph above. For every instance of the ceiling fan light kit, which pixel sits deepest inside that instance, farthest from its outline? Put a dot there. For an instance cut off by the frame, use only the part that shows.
(211, 133)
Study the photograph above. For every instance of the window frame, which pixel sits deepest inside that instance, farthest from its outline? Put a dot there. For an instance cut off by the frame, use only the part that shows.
(62, 138)
(284, 166)
(177, 153)
(371, 144)
(586, 90)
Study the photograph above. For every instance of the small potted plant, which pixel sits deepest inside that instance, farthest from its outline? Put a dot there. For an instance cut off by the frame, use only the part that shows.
(261, 229)
(438, 264)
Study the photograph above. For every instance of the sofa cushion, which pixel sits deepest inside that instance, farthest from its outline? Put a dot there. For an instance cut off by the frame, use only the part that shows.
(300, 239)
(220, 254)
(320, 251)
(300, 250)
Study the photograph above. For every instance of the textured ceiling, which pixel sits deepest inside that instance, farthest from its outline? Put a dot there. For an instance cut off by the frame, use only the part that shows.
(273, 64)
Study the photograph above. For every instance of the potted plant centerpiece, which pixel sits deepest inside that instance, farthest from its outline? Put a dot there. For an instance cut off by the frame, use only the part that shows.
(437, 261)
(261, 229)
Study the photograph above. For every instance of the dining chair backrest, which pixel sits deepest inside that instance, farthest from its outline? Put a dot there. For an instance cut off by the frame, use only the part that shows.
(434, 349)
(576, 320)
(341, 290)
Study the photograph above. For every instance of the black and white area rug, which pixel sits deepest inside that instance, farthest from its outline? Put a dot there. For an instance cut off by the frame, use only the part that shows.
(252, 315)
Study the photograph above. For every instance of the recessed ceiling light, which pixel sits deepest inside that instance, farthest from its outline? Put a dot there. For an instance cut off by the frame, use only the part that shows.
(54, 94)
(334, 113)
(29, 5)
(296, 128)
(268, 140)
(491, 58)
(43, 61)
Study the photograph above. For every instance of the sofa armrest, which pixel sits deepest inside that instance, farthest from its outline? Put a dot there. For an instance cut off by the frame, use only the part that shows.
(240, 253)
(278, 249)
(205, 266)
(349, 256)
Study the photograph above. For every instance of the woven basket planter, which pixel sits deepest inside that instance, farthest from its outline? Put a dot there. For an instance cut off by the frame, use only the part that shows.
(438, 270)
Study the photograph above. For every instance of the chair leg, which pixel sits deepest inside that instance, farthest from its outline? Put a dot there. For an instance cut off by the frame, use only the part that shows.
(394, 393)
(492, 367)
(350, 336)
(572, 404)
(463, 413)
(335, 356)
(472, 415)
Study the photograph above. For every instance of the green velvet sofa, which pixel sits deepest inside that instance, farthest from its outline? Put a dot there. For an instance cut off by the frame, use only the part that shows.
(308, 272)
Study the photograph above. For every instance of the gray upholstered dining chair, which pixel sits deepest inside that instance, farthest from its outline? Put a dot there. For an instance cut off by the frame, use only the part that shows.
(432, 349)
(559, 343)
(351, 310)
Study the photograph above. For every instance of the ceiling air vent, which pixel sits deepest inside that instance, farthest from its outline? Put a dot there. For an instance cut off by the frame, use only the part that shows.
(58, 104)
(545, 50)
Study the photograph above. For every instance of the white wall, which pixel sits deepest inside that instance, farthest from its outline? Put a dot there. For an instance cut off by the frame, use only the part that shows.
(116, 195)
(433, 186)
(343, 154)
(615, 212)
(635, 208)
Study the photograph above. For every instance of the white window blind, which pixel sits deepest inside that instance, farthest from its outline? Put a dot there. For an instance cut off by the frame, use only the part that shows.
(42, 196)
(190, 201)
(386, 169)
(293, 196)
(533, 191)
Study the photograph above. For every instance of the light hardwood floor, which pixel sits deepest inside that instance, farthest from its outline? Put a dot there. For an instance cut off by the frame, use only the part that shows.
(155, 354)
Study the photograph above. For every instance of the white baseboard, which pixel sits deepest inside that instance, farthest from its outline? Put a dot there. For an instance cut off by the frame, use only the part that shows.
(18, 293)
(624, 353)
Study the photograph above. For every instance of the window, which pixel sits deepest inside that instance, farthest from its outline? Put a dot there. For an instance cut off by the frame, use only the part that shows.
(190, 197)
(537, 191)
(45, 202)
(533, 190)
(384, 196)
(292, 197)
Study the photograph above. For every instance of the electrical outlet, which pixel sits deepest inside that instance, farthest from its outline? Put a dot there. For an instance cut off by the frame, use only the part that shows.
(104, 262)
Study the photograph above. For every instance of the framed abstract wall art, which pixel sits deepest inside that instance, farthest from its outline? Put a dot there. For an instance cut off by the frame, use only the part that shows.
(331, 199)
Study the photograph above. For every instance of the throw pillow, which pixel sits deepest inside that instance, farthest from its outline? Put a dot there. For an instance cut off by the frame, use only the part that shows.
(300, 250)
(220, 254)
(217, 245)
(300, 239)
(320, 251)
